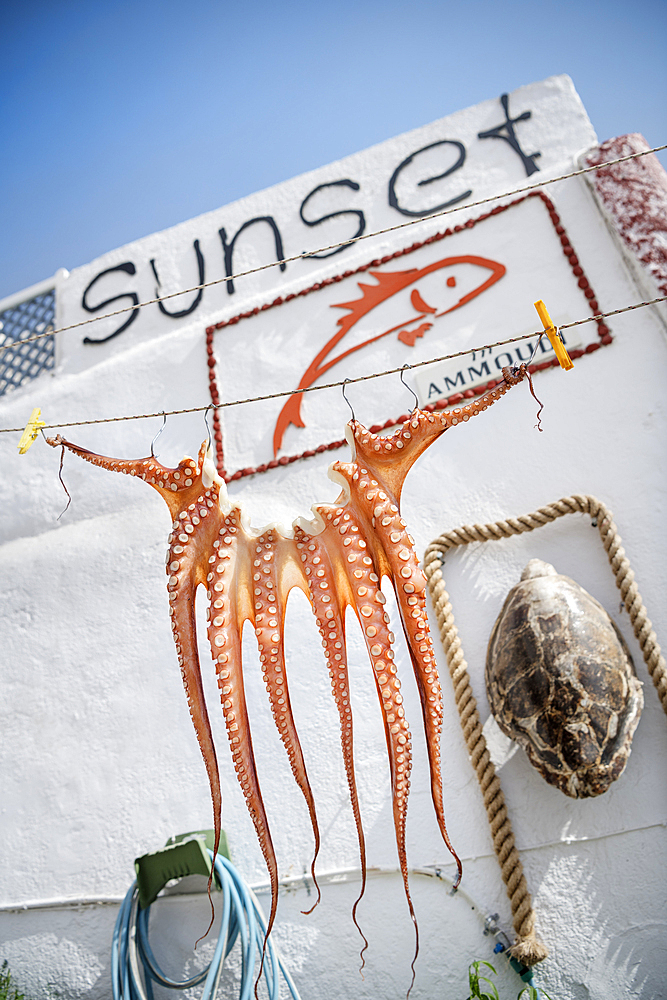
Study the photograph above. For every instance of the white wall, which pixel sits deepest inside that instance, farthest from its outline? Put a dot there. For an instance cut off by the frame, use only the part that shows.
(100, 763)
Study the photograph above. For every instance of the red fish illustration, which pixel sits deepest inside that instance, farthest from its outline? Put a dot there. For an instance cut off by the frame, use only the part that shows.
(388, 284)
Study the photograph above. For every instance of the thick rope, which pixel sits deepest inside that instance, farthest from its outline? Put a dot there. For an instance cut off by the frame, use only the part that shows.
(526, 948)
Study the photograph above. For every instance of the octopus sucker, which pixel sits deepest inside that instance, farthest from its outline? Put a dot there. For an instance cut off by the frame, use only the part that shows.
(183, 625)
(379, 642)
(338, 559)
(269, 618)
(330, 620)
(226, 650)
(239, 555)
(400, 792)
(411, 602)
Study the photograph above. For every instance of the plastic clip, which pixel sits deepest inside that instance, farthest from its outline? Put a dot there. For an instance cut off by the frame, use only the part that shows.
(552, 332)
(31, 430)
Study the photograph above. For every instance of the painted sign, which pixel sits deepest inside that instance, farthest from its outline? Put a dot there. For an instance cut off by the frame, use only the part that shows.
(439, 381)
(457, 290)
(316, 219)
(401, 196)
(381, 303)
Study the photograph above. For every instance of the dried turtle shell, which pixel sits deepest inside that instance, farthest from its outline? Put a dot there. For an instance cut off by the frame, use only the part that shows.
(561, 682)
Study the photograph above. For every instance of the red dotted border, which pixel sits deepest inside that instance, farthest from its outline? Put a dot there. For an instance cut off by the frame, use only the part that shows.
(603, 333)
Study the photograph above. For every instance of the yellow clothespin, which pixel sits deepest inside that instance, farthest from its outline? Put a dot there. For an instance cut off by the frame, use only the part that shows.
(564, 359)
(31, 430)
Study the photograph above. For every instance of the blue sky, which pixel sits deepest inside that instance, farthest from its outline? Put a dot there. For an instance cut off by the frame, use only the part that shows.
(117, 120)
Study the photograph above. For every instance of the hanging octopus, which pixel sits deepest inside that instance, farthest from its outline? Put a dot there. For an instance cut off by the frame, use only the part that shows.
(338, 559)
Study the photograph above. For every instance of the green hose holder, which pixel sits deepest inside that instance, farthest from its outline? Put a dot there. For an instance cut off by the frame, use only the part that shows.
(183, 854)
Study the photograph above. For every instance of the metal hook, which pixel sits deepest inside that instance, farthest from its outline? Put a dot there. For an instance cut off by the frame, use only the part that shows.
(409, 387)
(208, 429)
(164, 420)
(345, 381)
(539, 341)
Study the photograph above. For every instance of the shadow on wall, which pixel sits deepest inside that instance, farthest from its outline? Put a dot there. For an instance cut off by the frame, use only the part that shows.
(597, 958)
(637, 957)
(67, 944)
(75, 945)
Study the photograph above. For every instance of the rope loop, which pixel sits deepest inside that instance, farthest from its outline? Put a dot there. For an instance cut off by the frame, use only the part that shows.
(527, 948)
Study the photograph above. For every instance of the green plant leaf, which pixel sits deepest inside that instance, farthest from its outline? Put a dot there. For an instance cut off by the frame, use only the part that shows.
(7, 991)
(474, 980)
(533, 993)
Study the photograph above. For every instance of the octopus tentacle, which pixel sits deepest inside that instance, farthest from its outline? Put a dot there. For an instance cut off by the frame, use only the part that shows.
(410, 590)
(412, 609)
(329, 612)
(374, 621)
(184, 577)
(338, 560)
(224, 632)
(345, 542)
(186, 476)
(392, 456)
(182, 603)
(229, 670)
(269, 618)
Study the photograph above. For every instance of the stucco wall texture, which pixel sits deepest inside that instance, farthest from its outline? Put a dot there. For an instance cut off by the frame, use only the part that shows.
(99, 760)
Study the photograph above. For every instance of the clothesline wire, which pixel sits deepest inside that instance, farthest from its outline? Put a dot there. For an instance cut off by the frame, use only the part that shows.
(342, 382)
(335, 246)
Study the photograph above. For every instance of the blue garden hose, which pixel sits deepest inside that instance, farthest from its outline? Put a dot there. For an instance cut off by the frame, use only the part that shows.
(134, 967)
